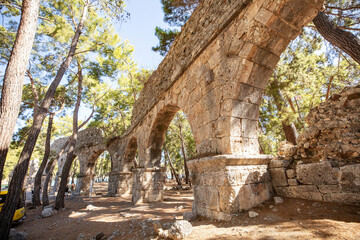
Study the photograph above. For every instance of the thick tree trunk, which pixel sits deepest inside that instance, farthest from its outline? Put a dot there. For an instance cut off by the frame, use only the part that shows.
(14, 76)
(20, 170)
(37, 185)
(59, 202)
(340, 38)
(49, 169)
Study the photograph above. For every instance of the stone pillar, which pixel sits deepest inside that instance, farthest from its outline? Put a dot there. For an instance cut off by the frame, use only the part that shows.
(148, 184)
(120, 184)
(227, 184)
(83, 184)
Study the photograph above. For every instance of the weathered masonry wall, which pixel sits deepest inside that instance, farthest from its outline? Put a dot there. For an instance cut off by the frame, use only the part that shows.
(215, 72)
(325, 165)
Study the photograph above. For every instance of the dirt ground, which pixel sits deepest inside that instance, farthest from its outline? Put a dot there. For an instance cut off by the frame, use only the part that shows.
(292, 219)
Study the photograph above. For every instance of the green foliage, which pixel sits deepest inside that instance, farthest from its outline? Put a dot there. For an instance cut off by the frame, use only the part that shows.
(173, 140)
(103, 165)
(114, 109)
(166, 38)
(304, 75)
(176, 13)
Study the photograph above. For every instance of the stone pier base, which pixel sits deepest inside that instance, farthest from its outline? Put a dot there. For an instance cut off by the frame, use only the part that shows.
(148, 185)
(120, 184)
(227, 184)
(83, 184)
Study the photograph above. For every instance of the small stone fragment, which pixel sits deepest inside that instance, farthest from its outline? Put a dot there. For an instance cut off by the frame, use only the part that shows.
(253, 214)
(46, 212)
(180, 229)
(278, 200)
(99, 236)
(17, 235)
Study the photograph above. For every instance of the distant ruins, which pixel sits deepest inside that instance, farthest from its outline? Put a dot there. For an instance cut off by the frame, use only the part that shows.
(215, 72)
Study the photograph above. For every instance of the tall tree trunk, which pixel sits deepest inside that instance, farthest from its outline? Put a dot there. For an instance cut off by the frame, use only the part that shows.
(340, 38)
(172, 167)
(17, 180)
(288, 127)
(49, 169)
(59, 202)
(37, 184)
(14, 76)
(51, 165)
(187, 178)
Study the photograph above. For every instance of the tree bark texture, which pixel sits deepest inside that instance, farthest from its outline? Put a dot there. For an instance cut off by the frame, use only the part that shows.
(49, 169)
(172, 168)
(288, 127)
(187, 177)
(37, 185)
(340, 38)
(59, 201)
(21, 168)
(14, 76)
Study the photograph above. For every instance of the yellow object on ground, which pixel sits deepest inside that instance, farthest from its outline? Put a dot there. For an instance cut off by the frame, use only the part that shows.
(19, 214)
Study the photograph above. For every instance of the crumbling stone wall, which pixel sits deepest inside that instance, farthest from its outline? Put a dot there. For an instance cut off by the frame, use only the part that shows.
(325, 165)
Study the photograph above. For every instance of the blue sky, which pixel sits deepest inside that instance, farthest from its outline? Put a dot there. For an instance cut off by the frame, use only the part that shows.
(145, 15)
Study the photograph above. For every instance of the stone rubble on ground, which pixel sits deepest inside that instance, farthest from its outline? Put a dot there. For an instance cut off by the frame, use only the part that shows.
(253, 214)
(278, 200)
(17, 235)
(47, 212)
(80, 237)
(180, 229)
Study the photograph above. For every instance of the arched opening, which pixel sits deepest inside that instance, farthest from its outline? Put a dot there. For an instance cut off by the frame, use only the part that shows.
(171, 144)
(157, 135)
(93, 176)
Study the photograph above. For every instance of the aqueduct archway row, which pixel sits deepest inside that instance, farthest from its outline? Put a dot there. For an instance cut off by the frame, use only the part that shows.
(215, 72)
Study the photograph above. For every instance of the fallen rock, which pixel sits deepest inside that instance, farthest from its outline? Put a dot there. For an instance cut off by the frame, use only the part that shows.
(17, 235)
(180, 229)
(159, 230)
(99, 236)
(46, 212)
(80, 237)
(278, 200)
(253, 214)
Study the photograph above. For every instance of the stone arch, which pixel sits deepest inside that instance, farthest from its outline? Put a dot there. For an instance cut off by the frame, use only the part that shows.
(87, 159)
(157, 134)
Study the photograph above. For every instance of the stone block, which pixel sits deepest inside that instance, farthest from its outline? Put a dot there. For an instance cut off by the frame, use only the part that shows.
(320, 173)
(227, 198)
(290, 173)
(310, 192)
(349, 178)
(251, 195)
(279, 163)
(329, 189)
(351, 198)
(278, 177)
(293, 182)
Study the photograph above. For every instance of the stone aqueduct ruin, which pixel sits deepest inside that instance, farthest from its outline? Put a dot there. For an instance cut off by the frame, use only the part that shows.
(215, 72)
